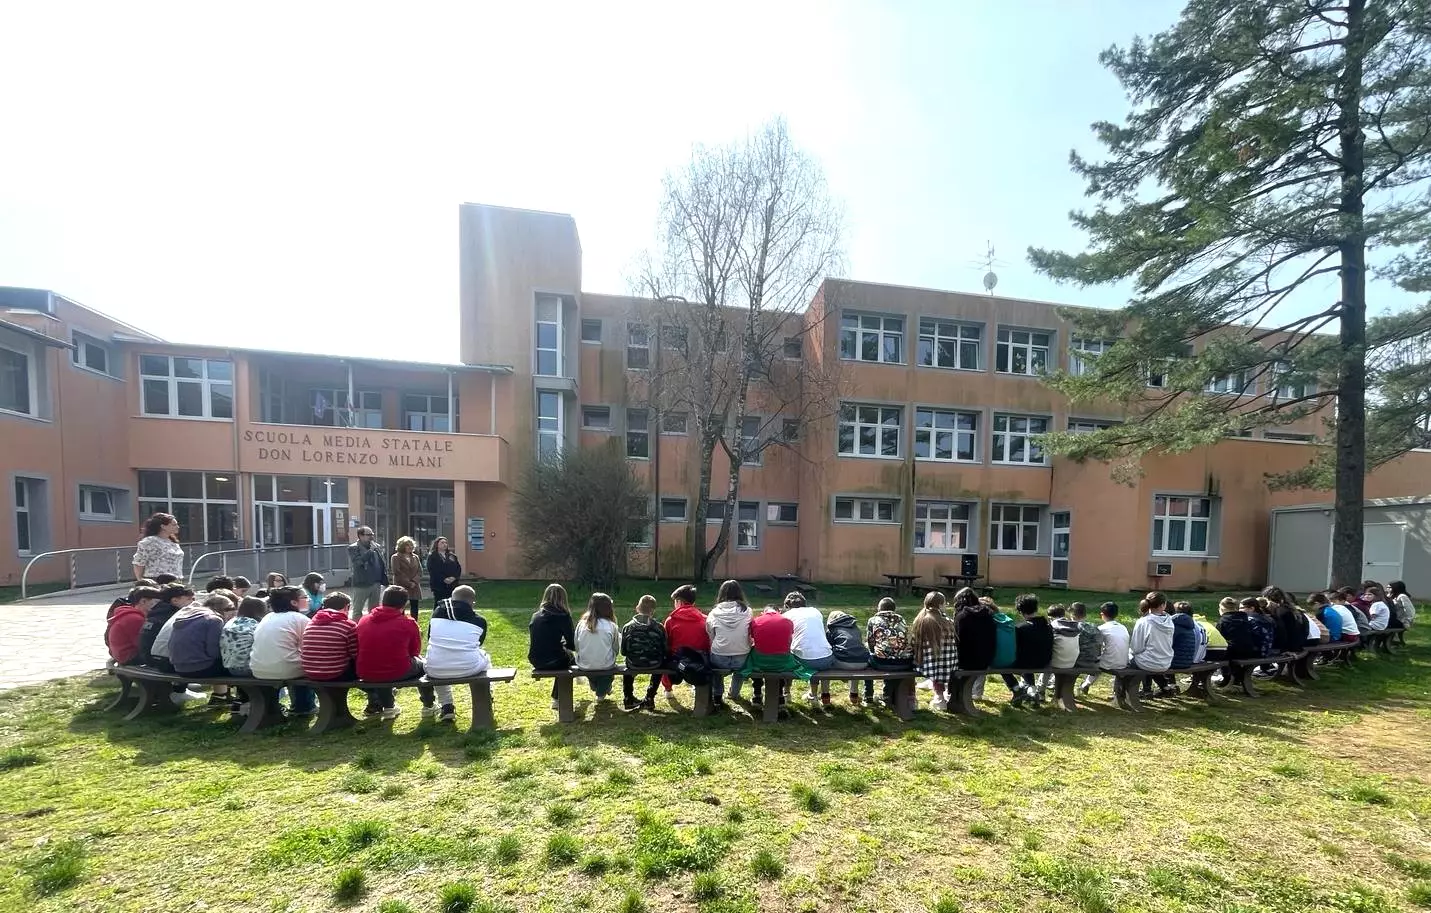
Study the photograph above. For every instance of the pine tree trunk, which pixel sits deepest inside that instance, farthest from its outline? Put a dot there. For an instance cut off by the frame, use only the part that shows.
(1347, 532)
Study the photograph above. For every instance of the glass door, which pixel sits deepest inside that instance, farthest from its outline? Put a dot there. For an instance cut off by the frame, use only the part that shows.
(266, 524)
(322, 525)
(1058, 568)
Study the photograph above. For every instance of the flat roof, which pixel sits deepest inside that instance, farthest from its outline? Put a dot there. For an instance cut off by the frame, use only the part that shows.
(35, 334)
(1409, 501)
(335, 356)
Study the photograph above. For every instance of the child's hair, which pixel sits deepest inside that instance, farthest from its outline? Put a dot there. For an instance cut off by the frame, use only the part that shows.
(1109, 610)
(465, 594)
(173, 590)
(219, 583)
(242, 583)
(261, 592)
(555, 596)
(312, 581)
(252, 607)
(285, 598)
(684, 594)
(646, 605)
(1263, 602)
(1374, 588)
(1276, 596)
(1227, 604)
(966, 598)
(730, 591)
(141, 593)
(218, 602)
(1397, 588)
(887, 605)
(1078, 610)
(394, 597)
(1183, 607)
(934, 600)
(406, 544)
(338, 601)
(599, 606)
(1152, 601)
(794, 599)
(1346, 593)
(161, 580)
(1317, 599)
(930, 628)
(1058, 610)
(281, 579)
(1251, 604)
(1027, 604)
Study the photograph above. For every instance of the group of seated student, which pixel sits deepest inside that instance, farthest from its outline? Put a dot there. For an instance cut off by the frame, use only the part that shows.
(971, 634)
(284, 633)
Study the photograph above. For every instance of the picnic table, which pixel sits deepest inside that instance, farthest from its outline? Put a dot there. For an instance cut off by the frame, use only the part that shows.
(902, 583)
(790, 583)
(955, 581)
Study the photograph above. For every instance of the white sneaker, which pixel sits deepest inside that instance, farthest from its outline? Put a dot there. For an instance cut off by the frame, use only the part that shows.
(391, 713)
(429, 713)
(1083, 688)
(186, 697)
(812, 698)
(926, 684)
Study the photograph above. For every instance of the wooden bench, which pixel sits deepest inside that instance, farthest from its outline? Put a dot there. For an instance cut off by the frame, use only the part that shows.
(156, 686)
(1380, 641)
(961, 690)
(904, 695)
(1240, 671)
(1128, 683)
(881, 589)
(333, 711)
(1337, 651)
(566, 700)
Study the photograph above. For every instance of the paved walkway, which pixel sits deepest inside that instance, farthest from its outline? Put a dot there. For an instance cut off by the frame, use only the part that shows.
(53, 637)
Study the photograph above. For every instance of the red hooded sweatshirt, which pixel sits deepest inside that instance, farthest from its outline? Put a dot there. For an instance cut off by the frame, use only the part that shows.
(686, 627)
(121, 632)
(387, 642)
(330, 643)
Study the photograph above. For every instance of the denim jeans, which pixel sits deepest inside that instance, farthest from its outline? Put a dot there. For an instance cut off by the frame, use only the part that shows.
(384, 697)
(600, 684)
(726, 662)
(820, 664)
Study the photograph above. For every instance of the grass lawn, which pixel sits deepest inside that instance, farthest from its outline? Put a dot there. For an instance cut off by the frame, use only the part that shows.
(1314, 800)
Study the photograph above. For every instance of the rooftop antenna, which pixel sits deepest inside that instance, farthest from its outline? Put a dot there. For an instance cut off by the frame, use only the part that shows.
(988, 263)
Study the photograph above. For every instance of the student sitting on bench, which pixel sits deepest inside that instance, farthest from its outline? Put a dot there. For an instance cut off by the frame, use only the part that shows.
(390, 650)
(455, 645)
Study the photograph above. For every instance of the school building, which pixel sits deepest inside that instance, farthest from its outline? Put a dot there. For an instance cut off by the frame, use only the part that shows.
(928, 458)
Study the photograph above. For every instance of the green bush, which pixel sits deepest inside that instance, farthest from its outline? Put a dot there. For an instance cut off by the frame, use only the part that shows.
(15, 758)
(809, 799)
(508, 849)
(457, 897)
(631, 903)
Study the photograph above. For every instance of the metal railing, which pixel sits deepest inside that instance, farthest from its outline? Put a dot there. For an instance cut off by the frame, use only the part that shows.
(100, 566)
(292, 561)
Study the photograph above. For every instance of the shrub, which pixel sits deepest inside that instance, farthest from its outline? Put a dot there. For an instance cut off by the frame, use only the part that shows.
(1419, 893)
(508, 849)
(767, 865)
(60, 866)
(734, 815)
(393, 790)
(360, 834)
(595, 865)
(15, 758)
(562, 849)
(946, 903)
(1364, 792)
(457, 897)
(358, 782)
(393, 906)
(366, 760)
(349, 885)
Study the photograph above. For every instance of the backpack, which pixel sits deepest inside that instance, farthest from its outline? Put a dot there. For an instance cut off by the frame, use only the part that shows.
(692, 667)
(1004, 642)
(644, 645)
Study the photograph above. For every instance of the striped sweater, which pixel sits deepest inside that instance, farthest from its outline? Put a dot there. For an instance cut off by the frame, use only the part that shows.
(330, 644)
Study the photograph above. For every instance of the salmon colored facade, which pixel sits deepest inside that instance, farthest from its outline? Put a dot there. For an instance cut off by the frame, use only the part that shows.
(928, 457)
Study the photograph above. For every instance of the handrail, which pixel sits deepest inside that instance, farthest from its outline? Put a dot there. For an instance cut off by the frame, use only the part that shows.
(25, 574)
(254, 552)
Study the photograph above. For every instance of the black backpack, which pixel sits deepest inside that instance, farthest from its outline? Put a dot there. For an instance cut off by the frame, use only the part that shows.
(692, 666)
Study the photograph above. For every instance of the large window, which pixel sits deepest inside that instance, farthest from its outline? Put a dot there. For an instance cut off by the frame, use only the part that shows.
(1088, 425)
(638, 346)
(1014, 439)
(30, 520)
(92, 354)
(638, 434)
(549, 335)
(1285, 383)
(941, 526)
(673, 510)
(750, 440)
(782, 513)
(1181, 525)
(1078, 347)
(425, 412)
(331, 407)
(866, 510)
(1021, 351)
(946, 436)
(747, 525)
(870, 431)
(871, 337)
(206, 503)
(549, 425)
(1230, 384)
(101, 503)
(1014, 527)
(17, 381)
(949, 344)
(182, 387)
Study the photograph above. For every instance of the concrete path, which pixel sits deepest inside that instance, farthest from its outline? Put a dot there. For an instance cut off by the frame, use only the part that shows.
(53, 637)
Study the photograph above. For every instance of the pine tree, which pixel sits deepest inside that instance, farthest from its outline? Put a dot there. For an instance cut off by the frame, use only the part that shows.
(1272, 145)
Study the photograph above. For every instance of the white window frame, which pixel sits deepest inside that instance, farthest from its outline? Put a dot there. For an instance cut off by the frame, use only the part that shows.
(204, 501)
(1235, 384)
(551, 427)
(682, 429)
(206, 385)
(857, 510)
(856, 416)
(857, 326)
(24, 488)
(431, 418)
(1282, 391)
(586, 324)
(774, 509)
(547, 302)
(1010, 433)
(1078, 346)
(118, 503)
(1165, 515)
(1088, 425)
(643, 433)
(942, 517)
(642, 332)
(795, 342)
(1007, 345)
(588, 410)
(79, 355)
(1000, 519)
(749, 442)
(933, 330)
(32, 392)
(664, 500)
(747, 529)
(932, 433)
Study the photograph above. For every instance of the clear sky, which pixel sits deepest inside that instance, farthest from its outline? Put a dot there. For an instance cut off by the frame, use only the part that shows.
(288, 175)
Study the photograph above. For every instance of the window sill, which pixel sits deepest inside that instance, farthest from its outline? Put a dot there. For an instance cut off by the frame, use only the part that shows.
(639, 459)
(10, 413)
(104, 374)
(93, 519)
(973, 462)
(598, 430)
(1003, 554)
(1188, 556)
(1030, 376)
(1043, 465)
(866, 456)
(946, 368)
(784, 523)
(747, 548)
(675, 434)
(645, 545)
(190, 418)
(942, 551)
(591, 342)
(673, 520)
(868, 522)
(862, 361)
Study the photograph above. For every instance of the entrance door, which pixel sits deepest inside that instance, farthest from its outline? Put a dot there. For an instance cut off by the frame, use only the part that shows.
(266, 524)
(322, 525)
(1058, 567)
(1383, 547)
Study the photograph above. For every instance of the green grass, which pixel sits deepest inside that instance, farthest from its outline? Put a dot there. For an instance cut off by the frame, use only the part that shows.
(845, 809)
(349, 886)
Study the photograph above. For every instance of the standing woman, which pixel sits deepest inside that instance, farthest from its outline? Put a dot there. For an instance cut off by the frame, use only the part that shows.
(159, 551)
(443, 570)
(407, 573)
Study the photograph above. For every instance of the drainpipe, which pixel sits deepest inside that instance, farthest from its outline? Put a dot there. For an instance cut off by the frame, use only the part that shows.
(451, 417)
(492, 406)
(238, 470)
(654, 435)
(349, 365)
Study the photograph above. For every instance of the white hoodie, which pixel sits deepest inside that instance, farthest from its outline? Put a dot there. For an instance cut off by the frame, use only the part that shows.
(1151, 647)
(728, 624)
(454, 649)
(597, 649)
(1115, 645)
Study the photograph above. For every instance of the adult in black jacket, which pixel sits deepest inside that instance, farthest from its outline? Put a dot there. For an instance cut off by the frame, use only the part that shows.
(975, 630)
(443, 570)
(552, 634)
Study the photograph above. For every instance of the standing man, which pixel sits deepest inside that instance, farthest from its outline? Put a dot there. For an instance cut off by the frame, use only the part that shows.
(368, 572)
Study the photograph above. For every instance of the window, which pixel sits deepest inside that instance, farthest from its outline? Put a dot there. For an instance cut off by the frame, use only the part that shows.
(715, 511)
(1087, 425)
(782, 513)
(1231, 384)
(425, 412)
(1021, 352)
(866, 510)
(206, 503)
(97, 503)
(1288, 436)
(1014, 527)
(29, 516)
(948, 344)
(1286, 385)
(747, 525)
(673, 510)
(591, 330)
(790, 430)
(940, 526)
(750, 440)
(1158, 375)
(870, 337)
(793, 347)
(182, 387)
(674, 337)
(596, 418)
(1181, 525)
(870, 431)
(638, 533)
(943, 435)
(17, 382)
(549, 360)
(638, 346)
(638, 435)
(330, 407)
(549, 425)
(1013, 439)
(90, 353)
(1079, 346)
(674, 422)
(368, 410)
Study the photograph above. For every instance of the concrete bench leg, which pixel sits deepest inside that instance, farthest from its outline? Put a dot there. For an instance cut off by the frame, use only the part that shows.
(566, 702)
(703, 700)
(153, 698)
(126, 687)
(904, 698)
(961, 696)
(1063, 690)
(1247, 680)
(481, 705)
(333, 712)
(774, 689)
(1202, 687)
(263, 709)
(1307, 668)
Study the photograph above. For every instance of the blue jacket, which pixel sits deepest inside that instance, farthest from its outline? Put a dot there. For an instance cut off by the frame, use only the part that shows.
(1184, 641)
(1333, 620)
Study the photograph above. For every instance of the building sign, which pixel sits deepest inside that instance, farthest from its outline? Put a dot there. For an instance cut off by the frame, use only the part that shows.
(345, 448)
(476, 533)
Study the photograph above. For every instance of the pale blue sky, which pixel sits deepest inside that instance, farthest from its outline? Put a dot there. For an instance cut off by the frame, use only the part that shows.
(289, 175)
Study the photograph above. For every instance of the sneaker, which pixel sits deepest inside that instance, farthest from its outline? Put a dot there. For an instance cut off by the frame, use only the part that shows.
(647, 704)
(372, 713)
(812, 698)
(448, 714)
(1261, 673)
(391, 713)
(218, 701)
(629, 704)
(1018, 699)
(938, 703)
(1083, 689)
(669, 692)
(429, 712)
(926, 684)
(186, 697)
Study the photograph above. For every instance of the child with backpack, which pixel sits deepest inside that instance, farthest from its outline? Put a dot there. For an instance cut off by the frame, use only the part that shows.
(1090, 638)
(851, 654)
(935, 647)
(887, 637)
(643, 643)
